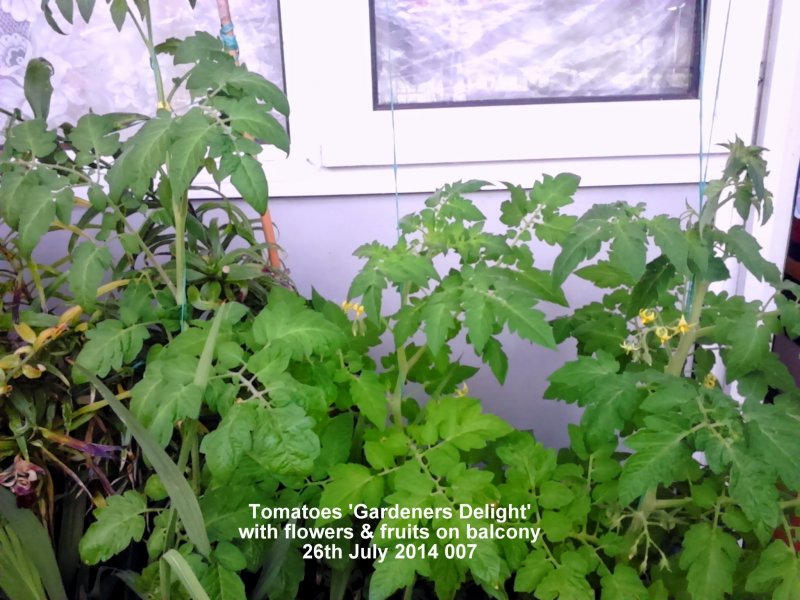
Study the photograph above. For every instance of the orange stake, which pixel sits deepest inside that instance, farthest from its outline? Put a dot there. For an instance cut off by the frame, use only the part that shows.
(226, 23)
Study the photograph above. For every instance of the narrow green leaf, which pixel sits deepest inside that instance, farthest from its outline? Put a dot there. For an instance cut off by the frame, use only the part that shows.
(65, 8)
(181, 495)
(183, 572)
(118, 11)
(35, 542)
(85, 7)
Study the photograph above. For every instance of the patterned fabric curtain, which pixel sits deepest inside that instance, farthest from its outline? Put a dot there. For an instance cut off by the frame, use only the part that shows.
(98, 68)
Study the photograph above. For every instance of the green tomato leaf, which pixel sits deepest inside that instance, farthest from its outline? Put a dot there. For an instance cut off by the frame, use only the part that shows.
(115, 527)
(249, 179)
(351, 484)
(89, 264)
(36, 215)
(369, 395)
(38, 89)
(623, 584)
(709, 556)
(777, 573)
(32, 136)
(660, 456)
(110, 345)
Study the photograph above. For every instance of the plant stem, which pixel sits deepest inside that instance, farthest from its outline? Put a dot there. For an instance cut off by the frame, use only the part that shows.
(678, 358)
(180, 209)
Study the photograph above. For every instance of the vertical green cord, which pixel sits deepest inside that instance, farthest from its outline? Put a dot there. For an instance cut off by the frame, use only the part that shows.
(394, 132)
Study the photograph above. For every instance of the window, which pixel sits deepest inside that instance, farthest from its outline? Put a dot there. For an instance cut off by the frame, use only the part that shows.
(435, 52)
(615, 142)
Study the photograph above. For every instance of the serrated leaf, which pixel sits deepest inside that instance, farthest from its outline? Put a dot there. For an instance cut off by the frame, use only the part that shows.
(110, 345)
(32, 136)
(777, 573)
(555, 229)
(462, 422)
(747, 344)
(527, 322)
(141, 157)
(773, 433)
(223, 584)
(582, 242)
(249, 117)
(351, 484)
(709, 556)
(166, 394)
(623, 584)
(93, 134)
(740, 244)
(672, 240)
(369, 395)
(89, 264)
(210, 75)
(192, 134)
(605, 275)
(36, 215)
(390, 575)
(437, 312)
(496, 358)
(116, 526)
(654, 282)
(287, 322)
(535, 568)
(201, 45)
(555, 192)
(659, 457)
(249, 179)
(38, 89)
(628, 247)
(478, 318)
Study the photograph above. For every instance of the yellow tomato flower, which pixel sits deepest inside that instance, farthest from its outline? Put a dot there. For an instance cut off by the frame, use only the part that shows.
(647, 315)
(461, 391)
(663, 334)
(682, 326)
(710, 381)
(629, 346)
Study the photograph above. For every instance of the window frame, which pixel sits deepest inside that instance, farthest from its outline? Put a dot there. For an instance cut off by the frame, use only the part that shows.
(341, 145)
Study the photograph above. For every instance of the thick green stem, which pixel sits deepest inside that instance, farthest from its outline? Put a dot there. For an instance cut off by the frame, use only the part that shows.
(678, 358)
(180, 210)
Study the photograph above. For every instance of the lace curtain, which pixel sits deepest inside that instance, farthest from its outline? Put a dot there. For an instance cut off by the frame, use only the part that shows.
(98, 68)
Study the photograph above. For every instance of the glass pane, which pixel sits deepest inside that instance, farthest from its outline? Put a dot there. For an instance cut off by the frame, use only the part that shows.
(96, 67)
(472, 51)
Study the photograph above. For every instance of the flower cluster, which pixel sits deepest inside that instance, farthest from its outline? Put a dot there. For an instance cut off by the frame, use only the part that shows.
(358, 311)
(637, 347)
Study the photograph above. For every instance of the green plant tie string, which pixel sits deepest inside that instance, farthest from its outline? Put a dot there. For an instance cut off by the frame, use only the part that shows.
(703, 168)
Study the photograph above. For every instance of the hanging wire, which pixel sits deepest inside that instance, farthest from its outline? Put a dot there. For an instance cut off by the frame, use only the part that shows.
(703, 164)
(394, 125)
